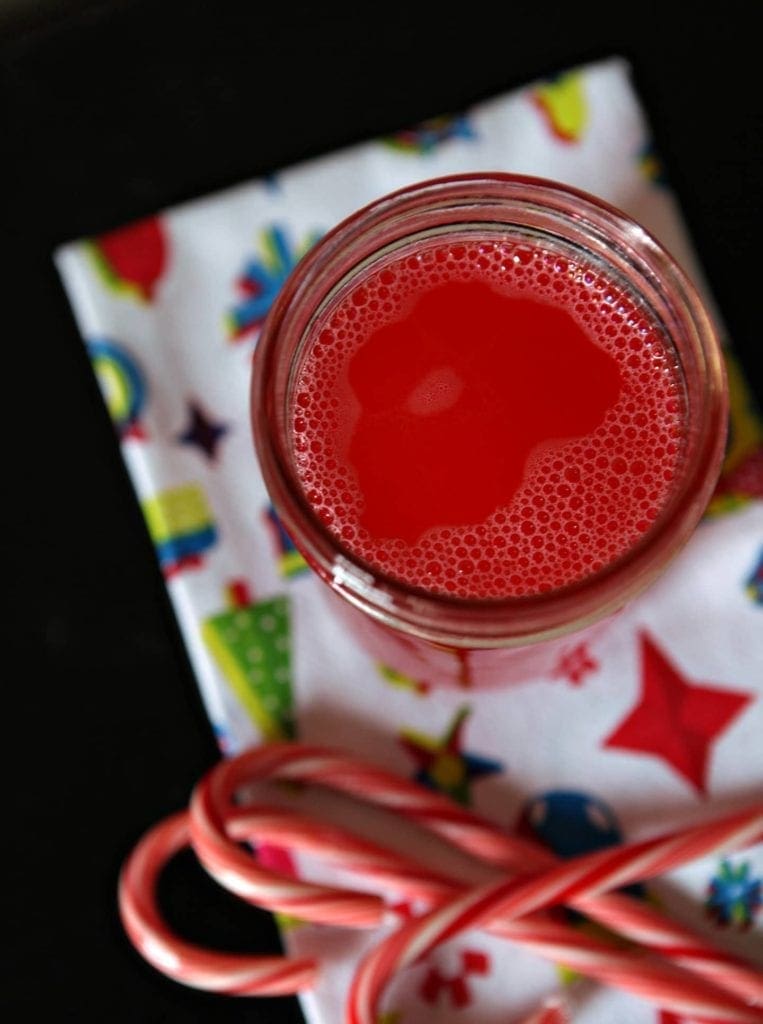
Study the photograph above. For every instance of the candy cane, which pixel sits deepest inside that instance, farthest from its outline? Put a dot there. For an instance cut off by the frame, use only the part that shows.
(682, 993)
(456, 825)
(189, 964)
(216, 826)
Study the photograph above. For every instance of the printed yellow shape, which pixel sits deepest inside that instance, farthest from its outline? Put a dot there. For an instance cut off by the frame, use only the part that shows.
(562, 100)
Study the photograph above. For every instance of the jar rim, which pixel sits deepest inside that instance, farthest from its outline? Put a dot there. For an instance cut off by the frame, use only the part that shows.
(449, 619)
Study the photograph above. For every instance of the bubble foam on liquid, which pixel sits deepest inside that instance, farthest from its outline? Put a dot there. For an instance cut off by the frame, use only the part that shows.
(581, 504)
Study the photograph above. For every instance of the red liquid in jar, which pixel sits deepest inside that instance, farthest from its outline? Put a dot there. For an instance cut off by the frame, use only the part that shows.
(487, 418)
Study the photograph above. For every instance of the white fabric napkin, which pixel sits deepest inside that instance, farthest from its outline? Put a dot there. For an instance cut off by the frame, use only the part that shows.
(657, 726)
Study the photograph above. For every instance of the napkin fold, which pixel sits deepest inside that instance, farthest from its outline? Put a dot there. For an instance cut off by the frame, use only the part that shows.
(656, 726)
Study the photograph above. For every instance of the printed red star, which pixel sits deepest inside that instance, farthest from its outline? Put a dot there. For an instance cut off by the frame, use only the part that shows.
(676, 720)
(456, 986)
(575, 665)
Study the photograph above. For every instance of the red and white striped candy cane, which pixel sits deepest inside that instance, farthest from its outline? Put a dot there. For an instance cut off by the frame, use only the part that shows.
(559, 942)
(194, 965)
(663, 983)
(217, 826)
(456, 825)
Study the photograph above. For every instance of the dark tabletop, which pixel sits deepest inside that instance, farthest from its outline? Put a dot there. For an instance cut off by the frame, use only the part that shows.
(112, 110)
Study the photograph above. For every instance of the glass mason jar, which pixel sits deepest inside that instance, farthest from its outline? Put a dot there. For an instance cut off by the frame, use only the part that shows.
(443, 639)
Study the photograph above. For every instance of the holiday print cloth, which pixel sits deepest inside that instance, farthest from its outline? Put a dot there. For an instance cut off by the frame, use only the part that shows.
(656, 726)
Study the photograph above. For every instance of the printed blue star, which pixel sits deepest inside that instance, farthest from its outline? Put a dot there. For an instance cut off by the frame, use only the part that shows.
(650, 164)
(263, 277)
(734, 895)
(427, 136)
(754, 584)
(203, 432)
(443, 765)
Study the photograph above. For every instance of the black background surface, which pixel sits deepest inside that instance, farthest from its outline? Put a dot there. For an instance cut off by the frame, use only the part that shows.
(114, 110)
